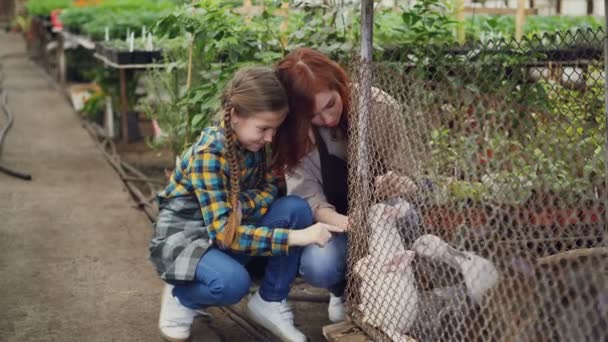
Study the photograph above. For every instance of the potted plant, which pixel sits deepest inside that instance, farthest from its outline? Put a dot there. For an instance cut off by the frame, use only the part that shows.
(118, 52)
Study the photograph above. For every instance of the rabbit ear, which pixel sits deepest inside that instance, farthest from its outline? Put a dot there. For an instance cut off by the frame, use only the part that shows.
(399, 262)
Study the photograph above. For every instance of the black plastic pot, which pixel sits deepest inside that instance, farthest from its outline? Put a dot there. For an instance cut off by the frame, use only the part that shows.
(156, 56)
(101, 49)
(140, 57)
(120, 56)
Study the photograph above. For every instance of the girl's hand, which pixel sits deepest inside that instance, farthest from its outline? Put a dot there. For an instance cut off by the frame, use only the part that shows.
(318, 233)
(392, 185)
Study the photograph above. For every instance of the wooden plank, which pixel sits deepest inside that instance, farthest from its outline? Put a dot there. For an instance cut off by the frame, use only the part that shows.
(249, 10)
(520, 18)
(596, 252)
(80, 40)
(283, 11)
(61, 66)
(344, 332)
(459, 13)
(129, 66)
(498, 11)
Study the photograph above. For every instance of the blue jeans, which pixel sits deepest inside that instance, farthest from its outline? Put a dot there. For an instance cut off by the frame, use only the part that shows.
(325, 267)
(221, 278)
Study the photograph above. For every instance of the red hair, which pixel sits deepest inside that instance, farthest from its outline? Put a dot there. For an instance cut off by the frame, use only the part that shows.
(304, 73)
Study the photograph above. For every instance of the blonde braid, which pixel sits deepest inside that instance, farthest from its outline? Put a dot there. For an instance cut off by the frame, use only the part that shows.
(234, 177)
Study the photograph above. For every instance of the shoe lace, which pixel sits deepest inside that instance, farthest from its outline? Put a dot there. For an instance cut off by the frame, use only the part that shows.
(335, 300)
(204, 313)
(285, 310)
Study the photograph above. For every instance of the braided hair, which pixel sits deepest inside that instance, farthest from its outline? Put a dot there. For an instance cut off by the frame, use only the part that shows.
(252, 90)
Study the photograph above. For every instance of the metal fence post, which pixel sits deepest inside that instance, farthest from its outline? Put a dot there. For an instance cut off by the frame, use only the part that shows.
(606, 109)
(365, 97)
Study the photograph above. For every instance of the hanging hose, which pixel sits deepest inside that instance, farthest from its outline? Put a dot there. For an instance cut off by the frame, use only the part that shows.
(3, 130)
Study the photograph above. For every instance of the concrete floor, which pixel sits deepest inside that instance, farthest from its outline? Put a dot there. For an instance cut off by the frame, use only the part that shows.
(73, 250)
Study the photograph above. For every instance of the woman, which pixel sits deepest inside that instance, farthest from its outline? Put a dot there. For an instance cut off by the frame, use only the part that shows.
(311, 149)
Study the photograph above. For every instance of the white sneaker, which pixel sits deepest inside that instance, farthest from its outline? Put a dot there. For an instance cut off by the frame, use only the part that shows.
(274, 316)
(175, 319)
(336, 310)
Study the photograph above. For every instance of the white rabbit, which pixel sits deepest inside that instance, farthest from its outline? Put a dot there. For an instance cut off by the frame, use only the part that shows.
(389, 298)
(479, 274)
(385, 239)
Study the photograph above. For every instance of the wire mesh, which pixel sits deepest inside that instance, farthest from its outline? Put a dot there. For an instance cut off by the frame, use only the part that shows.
(485, 217)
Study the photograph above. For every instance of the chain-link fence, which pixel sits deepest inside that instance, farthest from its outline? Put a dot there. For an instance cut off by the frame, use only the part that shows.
(478, 193)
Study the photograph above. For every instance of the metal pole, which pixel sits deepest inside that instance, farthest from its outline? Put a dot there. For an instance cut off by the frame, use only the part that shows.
(606, 127)
(520, 17)
(367, 30)
(61, 60)
(359, 172)
(365, 99)
(124, 106)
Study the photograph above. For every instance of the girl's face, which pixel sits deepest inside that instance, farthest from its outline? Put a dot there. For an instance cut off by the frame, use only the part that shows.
(328, 109)
(258, 129)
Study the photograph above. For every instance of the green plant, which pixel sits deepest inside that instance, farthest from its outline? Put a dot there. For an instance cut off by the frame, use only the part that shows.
(118, 16)
(428, 22)
(43, 8)
(503, 148)
(94, 107)
(331, 27)
(162, 103)
(222, 42)
(108, 80)
(24, 22)
(74, 18)
(425, 28)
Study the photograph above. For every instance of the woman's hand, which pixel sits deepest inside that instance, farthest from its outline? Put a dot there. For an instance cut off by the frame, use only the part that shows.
(342, 222)
(392, 185)
(318, 233)
(330, 216)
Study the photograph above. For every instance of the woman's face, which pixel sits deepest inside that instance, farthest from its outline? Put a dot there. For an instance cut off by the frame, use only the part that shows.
(328, 109)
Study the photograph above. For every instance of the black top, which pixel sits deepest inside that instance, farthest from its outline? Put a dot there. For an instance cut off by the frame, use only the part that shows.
(334, 172)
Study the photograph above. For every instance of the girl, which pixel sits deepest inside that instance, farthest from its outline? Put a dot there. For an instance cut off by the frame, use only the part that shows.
(311, 147)
(219, 210)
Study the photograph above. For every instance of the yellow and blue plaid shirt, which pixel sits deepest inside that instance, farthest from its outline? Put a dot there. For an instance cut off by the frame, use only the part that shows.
(203, 171)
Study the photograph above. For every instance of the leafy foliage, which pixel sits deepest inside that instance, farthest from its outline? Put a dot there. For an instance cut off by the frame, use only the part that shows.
(43, 8)
(118, 16)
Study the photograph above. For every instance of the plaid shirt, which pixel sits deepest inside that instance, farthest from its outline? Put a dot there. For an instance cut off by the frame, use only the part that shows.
(194, 208)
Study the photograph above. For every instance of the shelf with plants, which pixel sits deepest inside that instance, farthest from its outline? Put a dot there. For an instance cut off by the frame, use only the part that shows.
(121, 52)
(511, 154)
(557, 38)
(43, 8)
(119, 17)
